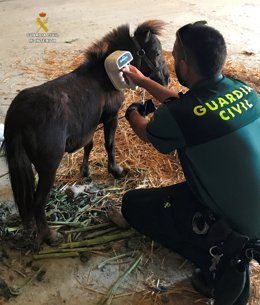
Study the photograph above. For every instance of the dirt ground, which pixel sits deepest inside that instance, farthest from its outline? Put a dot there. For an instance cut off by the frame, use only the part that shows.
(75, 25)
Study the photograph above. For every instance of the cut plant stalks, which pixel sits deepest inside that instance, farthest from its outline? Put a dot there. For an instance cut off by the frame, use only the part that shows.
(90, 228)
(114, 258)
(102, 232)
(79, 250)
(108, 298)
(57, 255)
(99, 240)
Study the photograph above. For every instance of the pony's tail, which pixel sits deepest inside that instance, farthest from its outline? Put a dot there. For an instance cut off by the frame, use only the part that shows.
(21, 175)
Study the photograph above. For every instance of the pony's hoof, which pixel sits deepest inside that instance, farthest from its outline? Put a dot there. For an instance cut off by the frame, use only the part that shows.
(85, 172)
(118, 172)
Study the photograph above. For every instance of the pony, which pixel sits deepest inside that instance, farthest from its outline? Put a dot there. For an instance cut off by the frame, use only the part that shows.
(61, 115)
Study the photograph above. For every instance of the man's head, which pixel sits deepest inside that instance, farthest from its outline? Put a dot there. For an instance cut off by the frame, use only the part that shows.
(199, 51)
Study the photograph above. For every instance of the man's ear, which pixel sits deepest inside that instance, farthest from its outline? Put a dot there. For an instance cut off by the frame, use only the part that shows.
(184, 68)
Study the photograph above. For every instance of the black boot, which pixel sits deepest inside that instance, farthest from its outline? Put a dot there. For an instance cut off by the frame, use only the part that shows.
(201, 284)
(245, 295)
(230, 285)
(232, 289)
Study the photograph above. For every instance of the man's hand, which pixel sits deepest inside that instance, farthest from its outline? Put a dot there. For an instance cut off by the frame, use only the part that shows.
(136, 76)
(143, 109)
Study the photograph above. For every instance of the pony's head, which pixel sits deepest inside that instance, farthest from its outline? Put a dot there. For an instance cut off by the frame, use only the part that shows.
(144, 45)
(147, 51)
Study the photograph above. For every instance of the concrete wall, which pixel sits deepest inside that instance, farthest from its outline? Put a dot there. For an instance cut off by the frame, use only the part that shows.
(5, 187)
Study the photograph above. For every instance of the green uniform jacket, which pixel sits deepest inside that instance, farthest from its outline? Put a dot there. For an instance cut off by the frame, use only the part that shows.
(215, 127)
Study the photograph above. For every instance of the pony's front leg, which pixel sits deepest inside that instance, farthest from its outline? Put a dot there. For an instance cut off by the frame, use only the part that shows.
(84, 170)
(109, 133)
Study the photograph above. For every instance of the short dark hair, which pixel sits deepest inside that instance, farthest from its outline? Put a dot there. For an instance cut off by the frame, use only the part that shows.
(205, 46)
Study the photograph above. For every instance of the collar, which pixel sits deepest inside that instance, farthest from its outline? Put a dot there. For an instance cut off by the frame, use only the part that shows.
(208, 82)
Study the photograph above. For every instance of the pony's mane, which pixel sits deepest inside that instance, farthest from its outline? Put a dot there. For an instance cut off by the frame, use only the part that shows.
(112, 40)
(119, 37)
(154, 26)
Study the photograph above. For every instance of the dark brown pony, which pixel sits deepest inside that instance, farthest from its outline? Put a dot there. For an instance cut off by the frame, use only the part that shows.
(62, 115)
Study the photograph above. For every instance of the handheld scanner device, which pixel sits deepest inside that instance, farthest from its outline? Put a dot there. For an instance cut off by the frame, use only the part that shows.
(114, 63)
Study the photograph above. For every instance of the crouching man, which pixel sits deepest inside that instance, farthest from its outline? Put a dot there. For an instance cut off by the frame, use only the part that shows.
(213, 218)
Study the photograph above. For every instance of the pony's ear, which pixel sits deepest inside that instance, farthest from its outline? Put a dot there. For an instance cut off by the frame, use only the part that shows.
(147, 36)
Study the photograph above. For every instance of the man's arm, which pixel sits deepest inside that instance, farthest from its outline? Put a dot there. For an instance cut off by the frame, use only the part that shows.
(138, 124)
(158, 91)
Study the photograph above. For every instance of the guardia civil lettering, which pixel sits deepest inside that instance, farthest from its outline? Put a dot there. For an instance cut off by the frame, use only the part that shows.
(228, 106)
